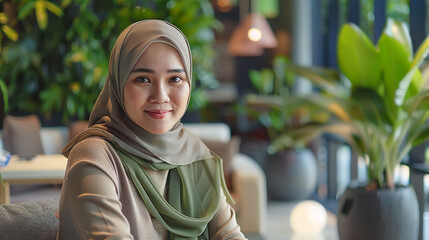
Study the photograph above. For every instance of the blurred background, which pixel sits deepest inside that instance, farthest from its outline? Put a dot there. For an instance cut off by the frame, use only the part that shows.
(54, 57)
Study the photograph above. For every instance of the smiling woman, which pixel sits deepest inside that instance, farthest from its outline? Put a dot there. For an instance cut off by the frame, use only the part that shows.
(158, 89)
(136, 172)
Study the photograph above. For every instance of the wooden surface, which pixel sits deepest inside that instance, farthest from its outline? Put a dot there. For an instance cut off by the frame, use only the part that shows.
(42, 169)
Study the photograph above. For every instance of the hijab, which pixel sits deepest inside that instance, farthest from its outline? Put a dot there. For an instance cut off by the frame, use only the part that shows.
(109, 119)
(195, 179)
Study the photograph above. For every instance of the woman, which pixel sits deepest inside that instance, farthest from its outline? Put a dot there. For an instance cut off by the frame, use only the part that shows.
(136, 173)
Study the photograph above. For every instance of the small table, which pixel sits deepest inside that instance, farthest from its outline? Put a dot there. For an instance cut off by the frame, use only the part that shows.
(42, 169)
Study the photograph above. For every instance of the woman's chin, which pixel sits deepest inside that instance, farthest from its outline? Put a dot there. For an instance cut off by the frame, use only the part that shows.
(158, 130)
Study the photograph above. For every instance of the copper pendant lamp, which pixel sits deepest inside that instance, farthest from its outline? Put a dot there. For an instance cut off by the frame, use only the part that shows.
(252, 36)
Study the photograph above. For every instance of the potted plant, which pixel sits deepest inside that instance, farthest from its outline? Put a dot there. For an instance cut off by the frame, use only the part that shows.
(378, 103)
(290, 166)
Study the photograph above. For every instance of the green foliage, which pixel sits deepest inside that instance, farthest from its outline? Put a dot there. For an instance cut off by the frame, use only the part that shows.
(60, 61)
(12, 36)
(274, 105)
(380, 108)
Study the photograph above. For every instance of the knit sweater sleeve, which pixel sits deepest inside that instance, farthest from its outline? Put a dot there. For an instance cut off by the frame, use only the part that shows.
(224, 224)
(90, 207)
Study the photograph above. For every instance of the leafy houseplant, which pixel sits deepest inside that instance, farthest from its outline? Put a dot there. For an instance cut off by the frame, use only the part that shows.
(379, 105)
(290, 166)
(272, 86)
(60, 61)
(275, 106)
(381, 108)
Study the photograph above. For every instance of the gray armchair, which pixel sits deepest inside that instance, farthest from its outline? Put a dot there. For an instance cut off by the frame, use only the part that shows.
(29, 220)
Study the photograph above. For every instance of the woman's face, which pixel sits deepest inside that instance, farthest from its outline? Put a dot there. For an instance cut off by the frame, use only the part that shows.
(157, 90)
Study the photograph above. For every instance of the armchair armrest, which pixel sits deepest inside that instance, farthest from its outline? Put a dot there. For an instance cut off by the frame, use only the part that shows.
(29, 220)
(250, 194)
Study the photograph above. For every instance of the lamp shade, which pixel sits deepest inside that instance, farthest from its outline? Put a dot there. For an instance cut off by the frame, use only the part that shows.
(251, 37)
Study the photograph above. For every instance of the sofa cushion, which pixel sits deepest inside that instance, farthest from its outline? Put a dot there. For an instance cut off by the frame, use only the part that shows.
(29, 220)
(226, 151)
(21, 135)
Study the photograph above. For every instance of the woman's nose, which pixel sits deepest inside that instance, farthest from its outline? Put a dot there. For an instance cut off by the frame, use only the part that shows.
(159, 94)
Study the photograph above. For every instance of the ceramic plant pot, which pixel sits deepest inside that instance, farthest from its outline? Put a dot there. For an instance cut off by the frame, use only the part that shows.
(381, 214)
(291, 174)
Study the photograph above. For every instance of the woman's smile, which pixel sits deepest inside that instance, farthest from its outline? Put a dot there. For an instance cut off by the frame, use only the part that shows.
(158, 113)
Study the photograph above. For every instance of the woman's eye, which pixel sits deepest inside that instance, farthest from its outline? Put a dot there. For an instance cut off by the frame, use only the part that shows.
(142, 80)
(176, 79)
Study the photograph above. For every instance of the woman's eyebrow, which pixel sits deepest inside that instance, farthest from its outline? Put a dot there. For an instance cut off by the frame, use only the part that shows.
(178, 70)
(147, 70)
(143, 70)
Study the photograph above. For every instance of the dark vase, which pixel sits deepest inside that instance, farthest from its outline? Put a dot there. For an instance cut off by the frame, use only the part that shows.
(291, 174)
(380, 214)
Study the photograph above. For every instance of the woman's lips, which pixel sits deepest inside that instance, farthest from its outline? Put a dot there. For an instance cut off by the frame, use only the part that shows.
(158, 114)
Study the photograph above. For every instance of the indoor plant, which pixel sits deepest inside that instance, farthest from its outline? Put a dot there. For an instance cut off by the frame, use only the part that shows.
(379, 106)
(290, 166)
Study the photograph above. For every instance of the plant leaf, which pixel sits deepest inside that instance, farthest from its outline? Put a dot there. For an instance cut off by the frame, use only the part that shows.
(25, 10)
(396, 60)
(422, 137)
(53, 8)
(421, 53)
(404, 88)
(417, 102)
(3, 18)
(326, 79)
(369, 107)
(10, 33)
(331, 104)
(399, 31)
(3, 89)
(41, 15)
(358, 59)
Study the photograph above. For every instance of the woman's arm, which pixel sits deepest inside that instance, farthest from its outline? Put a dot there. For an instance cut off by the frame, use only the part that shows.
(224, 224)
(90, 198)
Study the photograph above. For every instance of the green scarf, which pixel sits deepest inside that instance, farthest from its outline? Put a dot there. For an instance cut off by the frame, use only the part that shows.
(193, 193)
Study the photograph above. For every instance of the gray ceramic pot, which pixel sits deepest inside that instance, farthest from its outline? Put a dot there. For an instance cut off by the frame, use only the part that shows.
(378, 214)
(291, 174)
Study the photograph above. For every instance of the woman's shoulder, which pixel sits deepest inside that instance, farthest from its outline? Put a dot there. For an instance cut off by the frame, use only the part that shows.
(93, 149)
(91, 145)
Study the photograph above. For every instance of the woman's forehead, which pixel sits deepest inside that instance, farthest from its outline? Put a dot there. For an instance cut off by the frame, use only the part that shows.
(159, 53)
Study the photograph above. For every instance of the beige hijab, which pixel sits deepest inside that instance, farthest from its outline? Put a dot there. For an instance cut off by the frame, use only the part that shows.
(108, 118)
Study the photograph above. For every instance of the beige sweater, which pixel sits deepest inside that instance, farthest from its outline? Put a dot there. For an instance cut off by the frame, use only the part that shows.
(99, 201)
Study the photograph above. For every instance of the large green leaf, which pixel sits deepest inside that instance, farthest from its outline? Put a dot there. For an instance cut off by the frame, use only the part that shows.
(412, 83)
(399, 31)
(358, 59)
(396, 61)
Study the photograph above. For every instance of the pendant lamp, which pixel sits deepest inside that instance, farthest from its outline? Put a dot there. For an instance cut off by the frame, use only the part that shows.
(251, 36)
